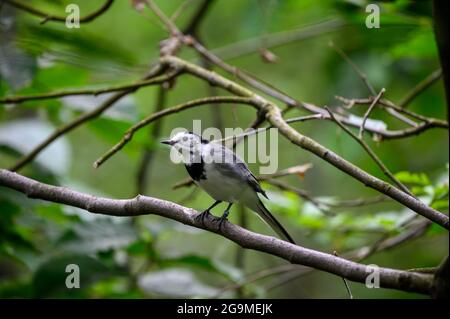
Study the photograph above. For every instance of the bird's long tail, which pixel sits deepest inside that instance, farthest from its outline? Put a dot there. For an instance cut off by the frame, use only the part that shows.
(269, 219)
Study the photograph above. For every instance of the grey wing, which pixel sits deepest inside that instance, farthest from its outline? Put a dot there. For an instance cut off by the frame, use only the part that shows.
(232, 165)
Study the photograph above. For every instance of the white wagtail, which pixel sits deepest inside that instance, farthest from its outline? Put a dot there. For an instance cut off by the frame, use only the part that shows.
(224, 176)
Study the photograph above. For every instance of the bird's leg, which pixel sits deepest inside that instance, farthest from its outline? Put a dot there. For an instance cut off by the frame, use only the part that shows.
(225, 215)
(203, 214)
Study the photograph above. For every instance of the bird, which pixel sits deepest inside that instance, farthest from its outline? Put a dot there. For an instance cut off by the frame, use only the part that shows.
(224, 176)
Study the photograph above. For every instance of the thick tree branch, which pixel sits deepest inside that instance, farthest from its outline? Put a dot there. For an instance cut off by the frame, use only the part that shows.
(141, 205)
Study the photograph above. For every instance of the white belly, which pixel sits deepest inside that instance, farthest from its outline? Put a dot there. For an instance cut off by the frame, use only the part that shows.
(221, 187)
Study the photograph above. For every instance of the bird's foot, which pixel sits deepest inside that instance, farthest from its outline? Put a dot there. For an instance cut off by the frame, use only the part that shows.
(223, 219)
(201, 217)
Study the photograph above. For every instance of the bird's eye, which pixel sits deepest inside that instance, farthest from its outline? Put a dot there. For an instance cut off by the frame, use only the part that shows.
(185, 139)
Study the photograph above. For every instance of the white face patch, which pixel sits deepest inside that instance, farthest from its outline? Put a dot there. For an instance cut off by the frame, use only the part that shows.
(185, 140)
(189, 146)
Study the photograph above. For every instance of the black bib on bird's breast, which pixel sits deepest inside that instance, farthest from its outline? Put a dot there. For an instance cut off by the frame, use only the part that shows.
(196, 170)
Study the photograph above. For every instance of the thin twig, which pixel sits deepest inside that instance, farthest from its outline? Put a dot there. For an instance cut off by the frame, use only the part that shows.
(381, 134)
(180, 10)
(301, 193)
(371, 153)
(164, 19)
(244, 75)
(148, 154)
(420, 87)
(253, 131)
(240, 252)
(355, 67)
(95, 92)
(369, 110)
(358, 202)
(350, 295)
(278, 39)
(369, 86)
(389, 104)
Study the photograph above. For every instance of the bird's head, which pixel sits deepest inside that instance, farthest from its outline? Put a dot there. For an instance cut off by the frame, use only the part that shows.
(186, 142)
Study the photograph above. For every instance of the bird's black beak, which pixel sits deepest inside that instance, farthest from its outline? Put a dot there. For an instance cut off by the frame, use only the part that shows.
(168, 142)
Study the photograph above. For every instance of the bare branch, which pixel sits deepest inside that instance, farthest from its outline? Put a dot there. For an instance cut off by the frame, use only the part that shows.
(347, 287)
(301, 193)
(366, 82)
(141, 205)
(278, 39)
(95, 92)
(148, 154)
(176, 14)
(371, 153)
(164, 19)
(369, 110)
(355, 67)
(357, 202)
(378, 132)
(420, 87)
(243, 75)
(384, 103)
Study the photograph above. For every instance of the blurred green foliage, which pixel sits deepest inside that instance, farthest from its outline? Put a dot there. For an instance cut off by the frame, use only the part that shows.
(152, 257)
